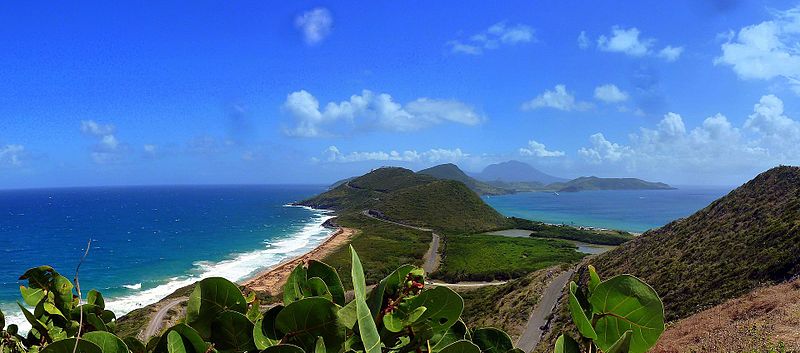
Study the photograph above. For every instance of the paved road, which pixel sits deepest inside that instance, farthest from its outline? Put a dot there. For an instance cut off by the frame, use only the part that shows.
(431, 256)
(533, 331)
(157, 321)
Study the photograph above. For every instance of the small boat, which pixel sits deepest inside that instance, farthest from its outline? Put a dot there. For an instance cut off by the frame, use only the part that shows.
(555, 193)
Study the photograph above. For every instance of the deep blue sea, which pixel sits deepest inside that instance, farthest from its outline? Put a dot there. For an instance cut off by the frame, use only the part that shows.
(149, 241)
(629, 210)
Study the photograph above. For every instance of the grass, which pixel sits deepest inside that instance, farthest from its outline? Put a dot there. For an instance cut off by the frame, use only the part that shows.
(543, 230)
(489, 257)
(382, 248)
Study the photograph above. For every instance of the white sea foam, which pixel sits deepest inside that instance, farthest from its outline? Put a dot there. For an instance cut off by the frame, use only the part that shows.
(237, 268)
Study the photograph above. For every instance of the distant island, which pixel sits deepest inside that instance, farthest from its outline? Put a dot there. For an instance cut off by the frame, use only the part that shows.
(514, 177)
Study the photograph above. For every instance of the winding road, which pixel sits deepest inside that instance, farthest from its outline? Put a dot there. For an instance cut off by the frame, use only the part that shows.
(431, 257)
(538, 319)
(157, 321)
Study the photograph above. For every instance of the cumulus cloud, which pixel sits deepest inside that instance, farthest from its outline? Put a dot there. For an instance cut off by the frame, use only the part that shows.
(558, 98)
(315, 25)
(776, 130)
(492, 38)
(11, 155)
(630, 41)
(437, 155)
(537, 149)
(670, 53)
(603, 150)
(610, 93)
(107, 149)
(372, 111)
(766, 50)
(583, 40)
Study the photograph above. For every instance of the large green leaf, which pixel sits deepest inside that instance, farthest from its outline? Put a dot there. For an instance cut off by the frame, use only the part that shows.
(62, 288)
(37, 325)
(175, 343)
(264, 332)
(455, 333)
(293, 289)
(31, 296)
(348, 316)
(462, 346)
(306, 319)
(387, 287)
(492, 340)
(594, 279)
(107, 342)
(330, 277)
(443, 308)
(283, 348)
(316, 287)
(135, 345)
(320, 346)
(191, 339)
(232, 332)
(565, 344)
(211, 297)
(68, 346)
(582, 322)
(626, 303)
(366, 324)
(95, 298)
(622, 345)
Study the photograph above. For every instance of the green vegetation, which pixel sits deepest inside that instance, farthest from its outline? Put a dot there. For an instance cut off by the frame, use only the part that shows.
(542, 230)
(450, 171)
(618, 315)
(398, 315)
(595, 183)
(383, 247)
(490, 257)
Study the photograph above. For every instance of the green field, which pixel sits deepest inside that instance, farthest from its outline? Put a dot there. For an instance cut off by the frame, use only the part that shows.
(601, 237)
(382, 248)
(490, 257)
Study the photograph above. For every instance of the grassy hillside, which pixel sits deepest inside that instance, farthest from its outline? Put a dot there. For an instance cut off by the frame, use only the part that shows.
(595, 183)
(450, 171)
(445, 205)
(543, 230)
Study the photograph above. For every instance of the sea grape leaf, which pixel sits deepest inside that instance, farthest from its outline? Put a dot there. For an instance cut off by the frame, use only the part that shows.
(348, 315)
(320, 346)
(444, 308)
(316, 287)
(623, 344)
(492, 340)
(31, 296)
(254, 312)
(366, 324)
(95, 298)
(37, 325)
(399, 319)
(191, 339)
(39, 277)
(95, 321)
(330, 277)
(264, 332)
(68, 346)
(134, 344)
(625, 303)
(62, 288)
(293, 289)
(582, 322)
(210, 297)
(175, 343)
(283, 348)
(565, 344)
(462, 346)
(594, 279)
(107, 342)
(455, 333)
(306, 319)
(232, 331)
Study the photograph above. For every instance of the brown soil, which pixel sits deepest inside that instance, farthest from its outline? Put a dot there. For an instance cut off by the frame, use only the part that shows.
(271, 281)
(765, 320)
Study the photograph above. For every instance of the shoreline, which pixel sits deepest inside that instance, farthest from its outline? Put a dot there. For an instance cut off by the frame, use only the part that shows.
(271, 280)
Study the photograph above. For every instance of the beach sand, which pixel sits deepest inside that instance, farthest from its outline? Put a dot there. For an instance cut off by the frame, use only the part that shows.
(272, 280)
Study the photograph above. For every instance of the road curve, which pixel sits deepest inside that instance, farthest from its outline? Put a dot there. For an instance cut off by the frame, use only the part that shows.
(533, 331)
(157, 321)
(431, 257)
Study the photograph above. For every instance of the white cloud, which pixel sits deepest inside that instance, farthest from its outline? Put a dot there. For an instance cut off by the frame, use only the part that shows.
(493, 37)
(603, 150)
(437, 155)
(766, 50)
(315, 24)
(670, 53)
(610, 93)
(11, 155)
(150, 149)
(559, 98)
(372, 111)
(107, 148)
(626, 41)
(536, 149)
(583, 40)
(91, 127)
(776, 130)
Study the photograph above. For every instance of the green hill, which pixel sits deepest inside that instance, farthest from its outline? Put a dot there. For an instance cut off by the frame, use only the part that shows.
(450, 171)
(418, 199)
(595, 183)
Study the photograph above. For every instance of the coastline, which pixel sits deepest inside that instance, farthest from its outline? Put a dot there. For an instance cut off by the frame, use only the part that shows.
(271, 280)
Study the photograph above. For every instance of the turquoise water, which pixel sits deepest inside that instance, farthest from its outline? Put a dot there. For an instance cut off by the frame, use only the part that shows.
(629, 210)
(149, 241)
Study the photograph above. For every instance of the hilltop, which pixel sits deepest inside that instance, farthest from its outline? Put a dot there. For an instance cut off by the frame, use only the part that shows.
(402, 195)
(516, 171)
(595, 183)
(451, 171)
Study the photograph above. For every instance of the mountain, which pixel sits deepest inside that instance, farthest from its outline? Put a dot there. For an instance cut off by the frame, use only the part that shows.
(595, 183)
(515, 171)
(450, 171)
(402, 195)
(737, 243)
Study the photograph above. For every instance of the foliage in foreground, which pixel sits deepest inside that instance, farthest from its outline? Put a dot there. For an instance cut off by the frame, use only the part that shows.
(619, 315)
(399, 315)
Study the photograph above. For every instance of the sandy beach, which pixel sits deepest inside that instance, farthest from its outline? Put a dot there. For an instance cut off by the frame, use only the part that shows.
(271, 280)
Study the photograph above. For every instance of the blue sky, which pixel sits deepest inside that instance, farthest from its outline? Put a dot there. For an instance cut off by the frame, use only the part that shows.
(687, 92)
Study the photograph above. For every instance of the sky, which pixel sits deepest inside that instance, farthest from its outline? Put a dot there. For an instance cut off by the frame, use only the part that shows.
(254, 92)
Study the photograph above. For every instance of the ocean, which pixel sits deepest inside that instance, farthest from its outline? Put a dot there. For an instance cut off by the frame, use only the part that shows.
(629, 210)
(149, 241)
